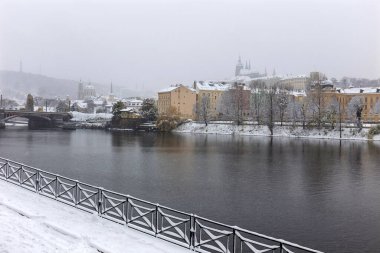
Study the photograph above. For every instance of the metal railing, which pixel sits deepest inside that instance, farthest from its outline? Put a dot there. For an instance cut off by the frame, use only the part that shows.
(187, 230)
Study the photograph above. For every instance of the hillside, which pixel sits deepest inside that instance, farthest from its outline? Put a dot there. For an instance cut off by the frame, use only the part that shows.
(17, 85)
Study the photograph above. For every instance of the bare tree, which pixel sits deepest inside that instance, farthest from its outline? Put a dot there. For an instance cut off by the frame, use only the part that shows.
(355, 109)
(269, 108)
(257, 99)
(203, 109)
(333, 112)
(282, 101)
(376, 108)
(317, 104)
(235, 103)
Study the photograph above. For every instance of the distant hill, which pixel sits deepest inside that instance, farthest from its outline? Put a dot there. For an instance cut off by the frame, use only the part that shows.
(17, 85)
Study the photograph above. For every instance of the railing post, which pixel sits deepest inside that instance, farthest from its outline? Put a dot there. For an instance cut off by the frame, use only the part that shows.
(234, 240)
(76, 194)
(192, 232)
(127, 211)
(156, 230)
(37, 181)
(100, 201)
(56, 186)
(6, 170)
(19, 175)
(281, 247)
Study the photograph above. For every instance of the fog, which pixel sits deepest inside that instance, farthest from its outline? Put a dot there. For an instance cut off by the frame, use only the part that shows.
(152, 44)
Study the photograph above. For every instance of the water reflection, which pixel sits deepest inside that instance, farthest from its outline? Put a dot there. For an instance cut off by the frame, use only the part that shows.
(315, 192)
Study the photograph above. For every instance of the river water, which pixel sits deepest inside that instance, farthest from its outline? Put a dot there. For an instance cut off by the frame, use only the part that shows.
(323, 194)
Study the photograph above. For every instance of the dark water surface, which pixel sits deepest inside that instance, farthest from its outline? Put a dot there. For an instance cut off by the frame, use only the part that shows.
(318, 193)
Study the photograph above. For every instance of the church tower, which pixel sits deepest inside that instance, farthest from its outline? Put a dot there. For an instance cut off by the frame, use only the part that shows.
(80, 90)
(239, 67)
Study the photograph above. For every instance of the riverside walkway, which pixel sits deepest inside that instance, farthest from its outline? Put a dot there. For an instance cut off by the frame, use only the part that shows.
(33, 224)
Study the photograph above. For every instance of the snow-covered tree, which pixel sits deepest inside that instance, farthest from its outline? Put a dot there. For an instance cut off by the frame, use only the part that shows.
(149, 109)
(29, 106)
(116, 110)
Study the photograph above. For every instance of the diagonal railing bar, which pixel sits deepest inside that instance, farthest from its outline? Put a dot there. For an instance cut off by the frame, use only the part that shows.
(179, 233)
(45, 185)
(213, 239)
(88, 195)
(111, 207)
(14, 169)
(66, 194)
(3, 167)
(252, 243)
(28, 179)
(188, 230)
(142, 213)
(28, 176)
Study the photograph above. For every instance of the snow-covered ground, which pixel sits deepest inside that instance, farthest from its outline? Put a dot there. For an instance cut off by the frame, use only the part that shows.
(284, 131)
(80, 116)
(33, 223)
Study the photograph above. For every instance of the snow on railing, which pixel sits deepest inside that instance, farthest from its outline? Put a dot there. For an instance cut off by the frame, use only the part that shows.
(188, 230)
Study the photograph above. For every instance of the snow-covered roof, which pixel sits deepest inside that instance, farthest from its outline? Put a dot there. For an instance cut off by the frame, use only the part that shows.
(287, 77)
(134, 101)
(98, 102)
(210, 85)
(168, 89)
(128, 109)
(171, 88)
(359, 90)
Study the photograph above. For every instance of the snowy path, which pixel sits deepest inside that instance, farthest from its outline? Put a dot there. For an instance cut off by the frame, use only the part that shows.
(33, 223)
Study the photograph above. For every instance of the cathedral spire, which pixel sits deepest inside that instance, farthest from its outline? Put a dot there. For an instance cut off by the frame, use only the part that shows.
(246, 65)
(274, 72)
(249, 64)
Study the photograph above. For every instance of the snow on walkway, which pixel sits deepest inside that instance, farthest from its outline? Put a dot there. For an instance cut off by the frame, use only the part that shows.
(33, 223)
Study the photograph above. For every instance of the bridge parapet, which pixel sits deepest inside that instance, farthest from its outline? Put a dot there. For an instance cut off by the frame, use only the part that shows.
(38, 120)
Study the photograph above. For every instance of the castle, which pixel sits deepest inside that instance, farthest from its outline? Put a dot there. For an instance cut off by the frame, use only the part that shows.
(246, 70)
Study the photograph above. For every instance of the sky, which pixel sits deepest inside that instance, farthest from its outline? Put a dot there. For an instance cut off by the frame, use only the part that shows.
(151, 44)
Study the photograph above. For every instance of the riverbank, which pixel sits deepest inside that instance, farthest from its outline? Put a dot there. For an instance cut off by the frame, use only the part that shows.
(279, 131)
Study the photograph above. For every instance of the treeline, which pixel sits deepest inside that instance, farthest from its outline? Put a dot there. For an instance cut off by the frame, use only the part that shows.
(273, 104)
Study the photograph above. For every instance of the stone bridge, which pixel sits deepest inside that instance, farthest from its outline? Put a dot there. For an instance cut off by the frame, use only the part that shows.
(36, 120)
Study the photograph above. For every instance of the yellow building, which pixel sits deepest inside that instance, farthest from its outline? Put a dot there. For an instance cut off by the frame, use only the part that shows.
(297, 83)
(179, 99)
(213, 92)
(368, 98)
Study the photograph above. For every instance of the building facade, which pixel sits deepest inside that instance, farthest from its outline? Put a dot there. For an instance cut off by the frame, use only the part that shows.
(212, 92)
(178, 99)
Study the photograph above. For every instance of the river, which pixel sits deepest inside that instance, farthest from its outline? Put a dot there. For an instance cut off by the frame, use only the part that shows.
(323, 194)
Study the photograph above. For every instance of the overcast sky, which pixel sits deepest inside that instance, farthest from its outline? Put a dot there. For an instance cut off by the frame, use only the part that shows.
(153, 44)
